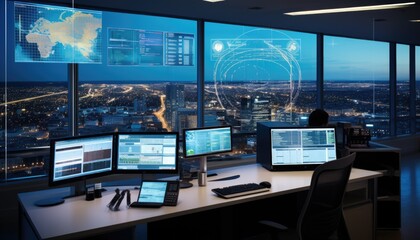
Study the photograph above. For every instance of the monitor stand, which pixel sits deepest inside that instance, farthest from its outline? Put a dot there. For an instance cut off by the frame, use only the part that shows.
(184, 183)
(47, 202)
(202, 174)
(76, 190)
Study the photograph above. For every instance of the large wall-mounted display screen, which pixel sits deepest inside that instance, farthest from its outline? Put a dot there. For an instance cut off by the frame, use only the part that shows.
(57, 34)
(46, 33)
(139, 47)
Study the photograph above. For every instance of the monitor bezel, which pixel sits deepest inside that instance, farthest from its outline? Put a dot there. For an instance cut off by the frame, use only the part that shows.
(146, 171)
(302, 166)
(184, 142)
(75, 180)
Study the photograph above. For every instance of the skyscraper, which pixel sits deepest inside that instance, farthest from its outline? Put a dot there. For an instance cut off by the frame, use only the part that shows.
(175, 99)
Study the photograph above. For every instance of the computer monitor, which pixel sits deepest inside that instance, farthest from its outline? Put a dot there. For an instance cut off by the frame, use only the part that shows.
(203, 142)
(294, 148)
(73, 160)
(147, 152)
(207, 141)
(80, 158)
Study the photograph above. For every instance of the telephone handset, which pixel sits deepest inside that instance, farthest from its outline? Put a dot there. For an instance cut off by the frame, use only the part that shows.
(157, 193)
(115, 203)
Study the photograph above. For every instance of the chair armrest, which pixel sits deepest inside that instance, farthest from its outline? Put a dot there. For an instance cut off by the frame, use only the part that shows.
(273, 224)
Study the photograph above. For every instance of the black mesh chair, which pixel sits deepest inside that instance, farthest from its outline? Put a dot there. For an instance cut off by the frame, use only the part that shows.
(322, 213)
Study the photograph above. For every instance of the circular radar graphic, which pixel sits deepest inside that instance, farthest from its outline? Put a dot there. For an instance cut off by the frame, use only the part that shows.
(256, 61)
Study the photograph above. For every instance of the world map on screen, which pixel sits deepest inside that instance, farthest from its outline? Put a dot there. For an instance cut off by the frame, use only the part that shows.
(46, 33)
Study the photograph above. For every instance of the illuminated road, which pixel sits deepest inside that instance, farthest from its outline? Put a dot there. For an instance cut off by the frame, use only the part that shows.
(369, 103)
(96, 93)
(159, 114)
(128, 89)
(33, 98)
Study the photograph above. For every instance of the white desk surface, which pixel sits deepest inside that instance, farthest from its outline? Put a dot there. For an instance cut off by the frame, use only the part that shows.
(77, 217)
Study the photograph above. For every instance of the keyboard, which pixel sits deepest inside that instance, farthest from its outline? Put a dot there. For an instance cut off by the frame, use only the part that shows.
(239, 190)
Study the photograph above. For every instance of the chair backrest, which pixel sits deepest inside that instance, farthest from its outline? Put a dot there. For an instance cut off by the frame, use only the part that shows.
(322, 212)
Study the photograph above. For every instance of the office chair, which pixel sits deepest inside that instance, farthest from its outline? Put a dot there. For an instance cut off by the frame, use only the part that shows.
(322, 214)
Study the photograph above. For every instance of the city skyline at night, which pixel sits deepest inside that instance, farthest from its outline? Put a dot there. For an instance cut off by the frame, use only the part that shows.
(145, 76)
(34, 120)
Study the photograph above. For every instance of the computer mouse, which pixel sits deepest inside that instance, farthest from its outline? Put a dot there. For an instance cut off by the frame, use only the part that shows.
(265, 184)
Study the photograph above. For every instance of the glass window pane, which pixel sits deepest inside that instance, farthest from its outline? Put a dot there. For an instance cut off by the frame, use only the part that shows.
(356, 85)
(147, 78)
(35, 101)
(403, 89)
(3, 93)
(257, 74)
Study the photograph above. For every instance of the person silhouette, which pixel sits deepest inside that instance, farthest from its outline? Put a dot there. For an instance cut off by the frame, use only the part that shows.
(318, 118)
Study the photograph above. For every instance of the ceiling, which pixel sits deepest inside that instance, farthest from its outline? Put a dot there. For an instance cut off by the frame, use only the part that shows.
(383, 25)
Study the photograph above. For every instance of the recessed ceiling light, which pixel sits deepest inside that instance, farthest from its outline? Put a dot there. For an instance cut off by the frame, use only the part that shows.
(213, 1)
(352, 9)
(415, 20)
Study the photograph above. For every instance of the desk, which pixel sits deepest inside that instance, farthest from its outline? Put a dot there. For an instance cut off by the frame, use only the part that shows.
(385, 159)
(79, 218)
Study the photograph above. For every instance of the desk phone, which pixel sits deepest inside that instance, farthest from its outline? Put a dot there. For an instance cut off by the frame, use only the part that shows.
(157, 193)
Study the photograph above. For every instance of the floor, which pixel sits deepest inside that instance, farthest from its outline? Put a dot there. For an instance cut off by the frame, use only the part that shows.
(410, 204)
(410, 197)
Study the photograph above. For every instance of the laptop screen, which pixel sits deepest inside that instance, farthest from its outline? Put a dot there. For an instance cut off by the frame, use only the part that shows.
(295, 146)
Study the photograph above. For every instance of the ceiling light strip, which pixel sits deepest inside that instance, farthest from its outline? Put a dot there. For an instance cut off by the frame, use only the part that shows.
(213, 1)
(352, 9)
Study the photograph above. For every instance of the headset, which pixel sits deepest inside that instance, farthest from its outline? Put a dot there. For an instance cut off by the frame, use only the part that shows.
(115, 203)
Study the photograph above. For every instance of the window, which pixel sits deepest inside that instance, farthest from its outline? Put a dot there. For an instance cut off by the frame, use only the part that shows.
(257, 74)
(403, 89)
(3, 153)
(147, 78)
(356, 83)
(139, 73)
(417, 88)
(35, 92)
